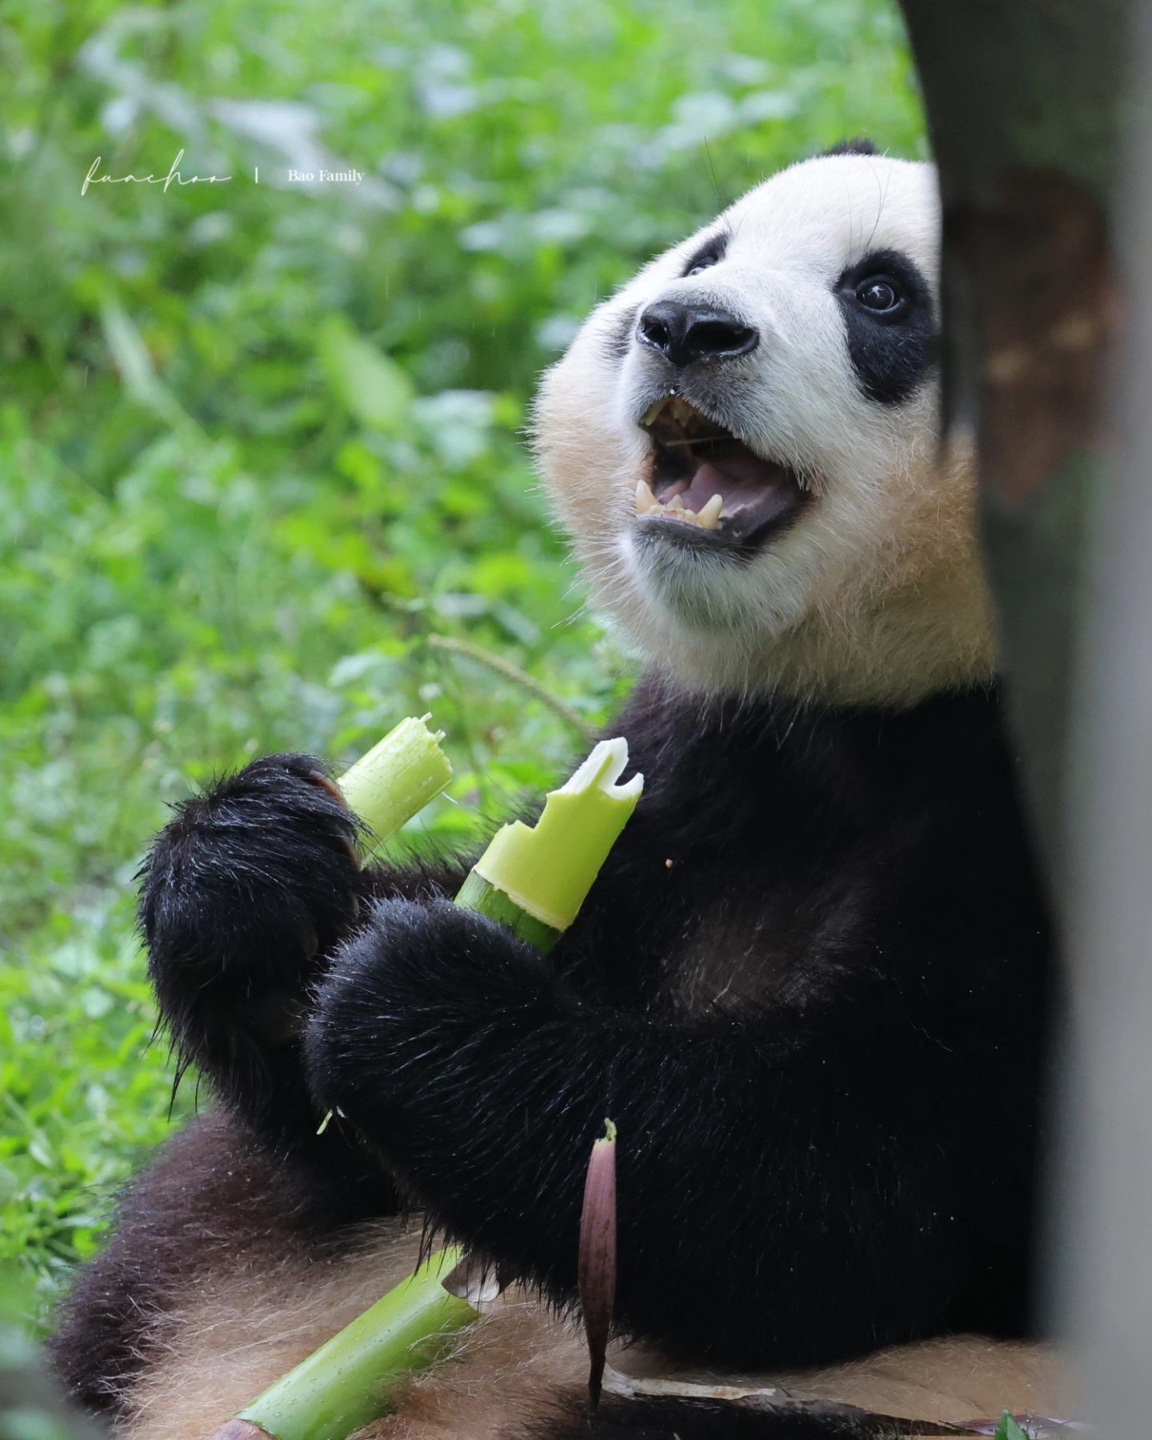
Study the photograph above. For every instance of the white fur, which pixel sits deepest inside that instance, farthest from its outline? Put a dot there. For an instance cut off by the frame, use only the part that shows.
(239, 1334)
(876, 593)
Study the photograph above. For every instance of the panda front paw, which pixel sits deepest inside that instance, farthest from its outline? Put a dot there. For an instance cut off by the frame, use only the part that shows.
(242, 891)
(416, 1029)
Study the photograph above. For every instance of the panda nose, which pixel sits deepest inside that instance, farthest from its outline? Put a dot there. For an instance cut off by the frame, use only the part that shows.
(684, 333)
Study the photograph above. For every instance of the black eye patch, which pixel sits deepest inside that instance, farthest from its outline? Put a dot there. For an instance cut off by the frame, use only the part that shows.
(709, 254)
(859, 145)
(891, 324)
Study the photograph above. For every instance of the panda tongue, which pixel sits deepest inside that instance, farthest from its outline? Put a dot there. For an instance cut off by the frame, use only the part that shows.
(746, 483)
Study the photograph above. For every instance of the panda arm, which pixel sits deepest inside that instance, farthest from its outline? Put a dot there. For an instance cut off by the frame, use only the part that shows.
(244, 894)
(785, 1191)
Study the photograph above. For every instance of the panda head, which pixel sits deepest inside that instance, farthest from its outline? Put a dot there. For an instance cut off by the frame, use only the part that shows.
(743, 444)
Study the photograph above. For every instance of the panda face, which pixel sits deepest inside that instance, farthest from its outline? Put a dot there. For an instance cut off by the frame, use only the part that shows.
(743, 445)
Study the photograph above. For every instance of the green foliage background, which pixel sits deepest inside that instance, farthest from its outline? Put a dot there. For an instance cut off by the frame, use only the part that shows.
(262, 469)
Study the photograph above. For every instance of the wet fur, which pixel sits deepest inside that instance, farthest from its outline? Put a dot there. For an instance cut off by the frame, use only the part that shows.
(812, 986)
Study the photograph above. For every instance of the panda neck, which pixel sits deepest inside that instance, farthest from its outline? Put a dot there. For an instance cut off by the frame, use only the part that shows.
(933, 635)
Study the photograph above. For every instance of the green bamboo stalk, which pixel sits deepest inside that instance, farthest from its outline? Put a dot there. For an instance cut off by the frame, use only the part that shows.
(477, 894)
(344, 1385)
(397, 777)
(534, 880)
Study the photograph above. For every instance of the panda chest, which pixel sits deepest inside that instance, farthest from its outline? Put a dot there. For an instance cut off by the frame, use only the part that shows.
(705, 934)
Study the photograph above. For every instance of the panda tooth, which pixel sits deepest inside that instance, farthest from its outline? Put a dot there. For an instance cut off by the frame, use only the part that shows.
(653, 410)
(644, 497)
(709, 515)
(676, 503)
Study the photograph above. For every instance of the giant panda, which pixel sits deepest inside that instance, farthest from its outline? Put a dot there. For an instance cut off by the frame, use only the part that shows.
(813, 985)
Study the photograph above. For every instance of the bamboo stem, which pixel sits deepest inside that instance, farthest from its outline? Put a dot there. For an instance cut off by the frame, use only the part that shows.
(397, 777)
(547, 869)
(343, 1385)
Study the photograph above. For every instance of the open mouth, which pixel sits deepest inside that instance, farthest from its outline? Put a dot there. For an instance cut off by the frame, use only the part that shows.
(703, 477)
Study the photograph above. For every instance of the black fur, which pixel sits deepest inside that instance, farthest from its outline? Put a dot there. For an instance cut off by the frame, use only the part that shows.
(243, 893)
(861, 145)
(704, 1420)
(213, 1193)
(892, 353)
(710, 253)
(820, 1031)
(669, 1419)
(825, 1113)
(244, 896)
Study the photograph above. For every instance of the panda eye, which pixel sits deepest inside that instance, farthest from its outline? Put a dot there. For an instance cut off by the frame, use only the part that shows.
(709, 254)
(880, 295)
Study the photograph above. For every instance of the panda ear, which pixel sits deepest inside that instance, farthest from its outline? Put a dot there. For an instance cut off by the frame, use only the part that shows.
(861, 145)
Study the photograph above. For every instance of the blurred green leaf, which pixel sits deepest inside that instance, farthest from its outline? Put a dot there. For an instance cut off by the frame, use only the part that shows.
(374, 389)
